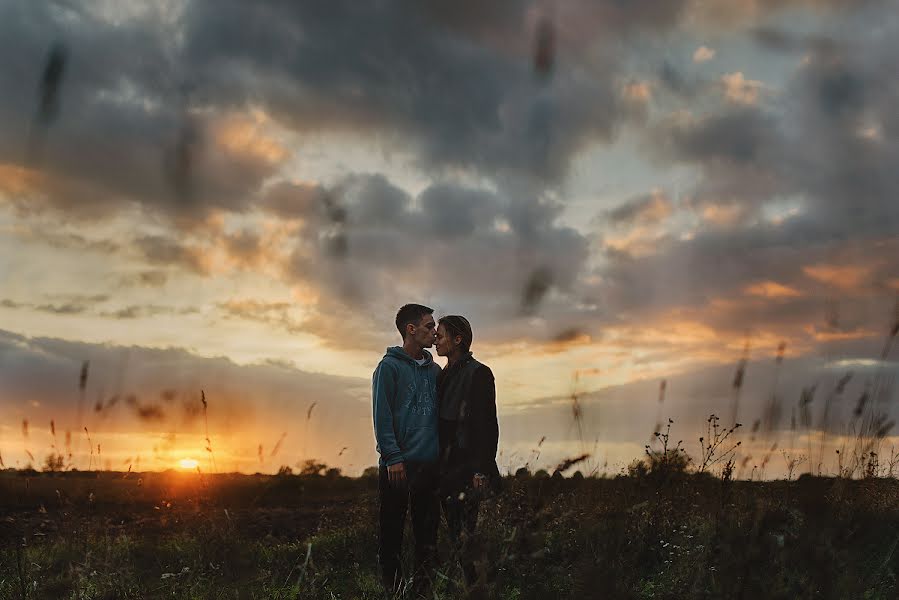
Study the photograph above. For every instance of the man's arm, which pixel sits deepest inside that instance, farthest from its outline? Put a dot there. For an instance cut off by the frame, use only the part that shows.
(383, 391)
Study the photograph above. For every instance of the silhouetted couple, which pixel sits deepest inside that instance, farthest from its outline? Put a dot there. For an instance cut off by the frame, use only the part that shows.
(437, 435)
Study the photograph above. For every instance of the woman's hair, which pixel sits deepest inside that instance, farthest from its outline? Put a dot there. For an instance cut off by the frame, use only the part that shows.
(458, 325)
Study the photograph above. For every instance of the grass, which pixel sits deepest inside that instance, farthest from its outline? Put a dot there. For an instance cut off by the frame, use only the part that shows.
(644, 536)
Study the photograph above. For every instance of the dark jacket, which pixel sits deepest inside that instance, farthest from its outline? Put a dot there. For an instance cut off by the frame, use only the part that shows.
(468, 443)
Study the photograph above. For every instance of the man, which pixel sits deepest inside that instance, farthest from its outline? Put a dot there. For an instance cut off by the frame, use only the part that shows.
(404, 408)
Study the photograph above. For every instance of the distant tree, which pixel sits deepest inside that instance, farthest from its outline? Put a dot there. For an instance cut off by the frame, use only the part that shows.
(332, 473)
(54, 463)
(522, 472)
(370, 472)
(284, 471)
(312, 467)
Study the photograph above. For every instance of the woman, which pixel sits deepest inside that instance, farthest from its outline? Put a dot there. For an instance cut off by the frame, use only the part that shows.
(468, 432)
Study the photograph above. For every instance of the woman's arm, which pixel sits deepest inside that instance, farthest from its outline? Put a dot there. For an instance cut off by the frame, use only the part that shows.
(485, 425)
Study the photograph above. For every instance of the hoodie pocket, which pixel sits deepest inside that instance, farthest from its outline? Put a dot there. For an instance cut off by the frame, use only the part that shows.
(421, 442)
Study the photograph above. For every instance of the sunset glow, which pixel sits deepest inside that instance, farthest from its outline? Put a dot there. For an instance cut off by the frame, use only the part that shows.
(188, 463)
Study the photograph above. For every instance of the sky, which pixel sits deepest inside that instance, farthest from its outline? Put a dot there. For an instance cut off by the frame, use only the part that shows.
(228, 201)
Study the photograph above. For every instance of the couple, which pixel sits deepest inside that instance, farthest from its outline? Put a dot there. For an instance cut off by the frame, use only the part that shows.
(437, 434)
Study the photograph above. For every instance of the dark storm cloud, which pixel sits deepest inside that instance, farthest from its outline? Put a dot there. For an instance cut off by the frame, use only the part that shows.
(826, 147)
(120, 114)
(455, 88)
(719, 278)
(829, 138)
(784, 41)
(294, 200)
(454, 85)
(745, 136)
(457, 83)
(473, 249)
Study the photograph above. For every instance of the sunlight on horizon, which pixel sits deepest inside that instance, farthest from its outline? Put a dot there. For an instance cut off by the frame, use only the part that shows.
(188, 463)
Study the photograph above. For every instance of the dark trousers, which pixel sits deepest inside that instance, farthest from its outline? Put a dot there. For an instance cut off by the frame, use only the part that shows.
(461, 522)
(420, 494)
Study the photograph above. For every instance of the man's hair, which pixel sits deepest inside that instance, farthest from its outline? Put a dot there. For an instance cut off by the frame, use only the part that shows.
(410, 314)
(458, 325)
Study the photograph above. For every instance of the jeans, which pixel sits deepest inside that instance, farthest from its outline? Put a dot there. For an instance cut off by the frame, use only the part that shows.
(420, 494)
(461, 521)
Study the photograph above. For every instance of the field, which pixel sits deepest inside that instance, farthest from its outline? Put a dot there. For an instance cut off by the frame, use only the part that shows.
(648, 535)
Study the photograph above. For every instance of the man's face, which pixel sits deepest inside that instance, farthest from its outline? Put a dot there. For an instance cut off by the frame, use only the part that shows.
(426, 332)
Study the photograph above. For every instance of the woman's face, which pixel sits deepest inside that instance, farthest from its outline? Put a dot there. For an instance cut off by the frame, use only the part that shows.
(444, 344)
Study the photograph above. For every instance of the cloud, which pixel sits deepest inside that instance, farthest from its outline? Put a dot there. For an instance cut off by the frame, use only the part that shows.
(244, 247)
(771, 289)
(160, 395)
(474, 250)
(71, 304)
(277, 314)
(120, 117)
(167, 251)
(739, 90)
(151, 278)
(645, 209)
(808, 147)
(292, 200)
(146, 311)
(185, 111)
(742, 12)
(89, 305)
(617, 420)
(703, 54)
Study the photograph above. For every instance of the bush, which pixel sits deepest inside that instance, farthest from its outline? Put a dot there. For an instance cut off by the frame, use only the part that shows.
(54, 463)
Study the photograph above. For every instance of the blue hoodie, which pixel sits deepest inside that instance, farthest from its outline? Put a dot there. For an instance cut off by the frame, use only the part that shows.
(404, 408)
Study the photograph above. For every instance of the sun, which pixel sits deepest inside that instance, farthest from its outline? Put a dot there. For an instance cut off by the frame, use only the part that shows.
(188, 463)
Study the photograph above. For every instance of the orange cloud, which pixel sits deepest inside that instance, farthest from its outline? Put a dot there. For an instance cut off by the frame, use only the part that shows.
(250, 135)
(703, 54)
(639, 241)
(839, 336)
(843, 277)
(638, 91)
(740, 90)
(722, 214)
(771, 289)
(18, 181)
